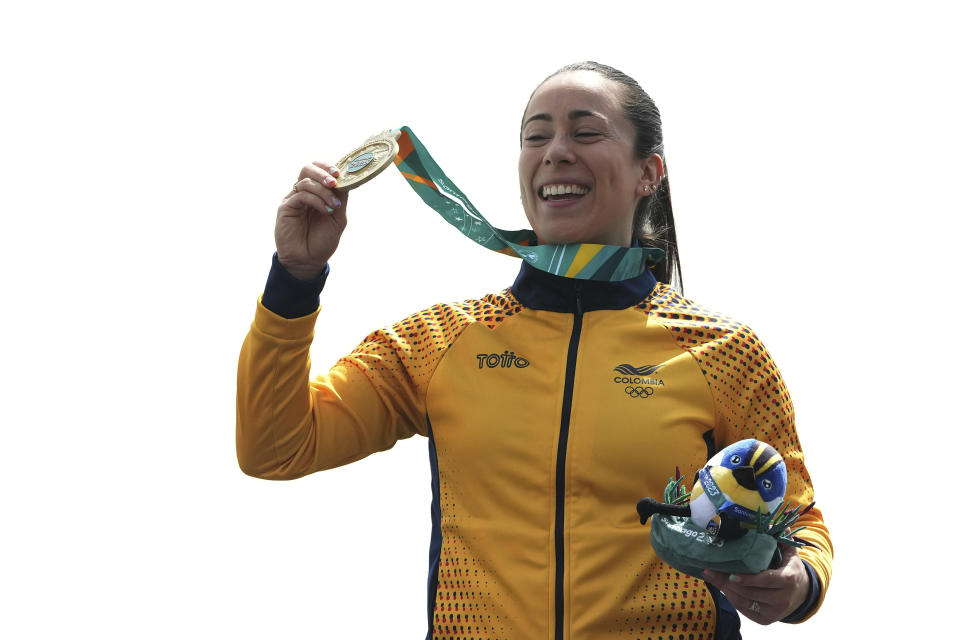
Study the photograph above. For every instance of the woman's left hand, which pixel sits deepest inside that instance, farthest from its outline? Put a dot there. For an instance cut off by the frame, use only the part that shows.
(767, 596)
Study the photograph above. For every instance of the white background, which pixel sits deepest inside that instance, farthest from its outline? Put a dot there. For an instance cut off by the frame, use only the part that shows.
(145, 148)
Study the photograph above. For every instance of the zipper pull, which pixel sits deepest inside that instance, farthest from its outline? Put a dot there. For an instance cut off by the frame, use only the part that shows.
(578, 289)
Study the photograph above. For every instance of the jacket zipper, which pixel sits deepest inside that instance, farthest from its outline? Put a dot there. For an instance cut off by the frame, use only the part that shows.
(562, 459)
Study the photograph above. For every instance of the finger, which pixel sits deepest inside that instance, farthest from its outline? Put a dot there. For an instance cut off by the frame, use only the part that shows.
(302, 199)
(715, 578)
(774, 578)
(769, 580)
(756, 610)
(723, 580)
(753, 580)
(332, 169)
(308, 185)
(322, 172)
(318, 176)
(732, 583)
(749, 594)
(743, 600)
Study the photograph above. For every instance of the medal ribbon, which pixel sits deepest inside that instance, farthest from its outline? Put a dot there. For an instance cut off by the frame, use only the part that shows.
(582, 261)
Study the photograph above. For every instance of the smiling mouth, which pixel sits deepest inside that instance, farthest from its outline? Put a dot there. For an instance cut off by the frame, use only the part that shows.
(554, 192)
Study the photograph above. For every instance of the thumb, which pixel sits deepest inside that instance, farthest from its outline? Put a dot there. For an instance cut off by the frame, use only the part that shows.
(787, 553)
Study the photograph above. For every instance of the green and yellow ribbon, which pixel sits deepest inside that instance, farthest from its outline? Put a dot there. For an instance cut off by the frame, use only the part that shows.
(582, 261)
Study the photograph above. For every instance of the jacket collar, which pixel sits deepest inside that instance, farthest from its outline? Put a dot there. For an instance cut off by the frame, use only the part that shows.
(538, 289)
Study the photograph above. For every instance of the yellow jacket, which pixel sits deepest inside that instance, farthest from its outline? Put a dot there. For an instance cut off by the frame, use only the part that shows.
(551, 408)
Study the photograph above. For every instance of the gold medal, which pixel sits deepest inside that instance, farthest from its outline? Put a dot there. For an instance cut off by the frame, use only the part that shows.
(367, 160)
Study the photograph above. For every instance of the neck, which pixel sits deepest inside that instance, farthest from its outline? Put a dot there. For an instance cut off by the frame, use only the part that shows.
(541, 290)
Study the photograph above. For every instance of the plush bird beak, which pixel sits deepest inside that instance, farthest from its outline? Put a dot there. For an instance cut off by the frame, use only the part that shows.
(745, 478)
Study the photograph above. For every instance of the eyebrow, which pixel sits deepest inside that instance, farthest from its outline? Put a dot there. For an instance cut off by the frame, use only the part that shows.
(573, 115)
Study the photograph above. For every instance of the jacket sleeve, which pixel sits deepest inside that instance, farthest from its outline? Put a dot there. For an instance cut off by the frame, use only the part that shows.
(289, 426)
(757, 405)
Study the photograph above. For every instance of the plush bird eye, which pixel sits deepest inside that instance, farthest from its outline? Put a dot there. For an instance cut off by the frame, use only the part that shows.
(735, 459)
(766, 484)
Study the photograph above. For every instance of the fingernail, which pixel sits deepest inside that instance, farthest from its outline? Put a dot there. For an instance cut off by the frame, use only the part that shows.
(735, 578)
(329, 209)
(707, 573)
(334, 171)
(328, 180)
(336, 202)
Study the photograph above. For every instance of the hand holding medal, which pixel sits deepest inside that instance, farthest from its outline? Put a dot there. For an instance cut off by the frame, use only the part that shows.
(313, 215)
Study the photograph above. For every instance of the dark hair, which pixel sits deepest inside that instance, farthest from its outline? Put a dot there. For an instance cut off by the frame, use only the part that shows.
(653, 224)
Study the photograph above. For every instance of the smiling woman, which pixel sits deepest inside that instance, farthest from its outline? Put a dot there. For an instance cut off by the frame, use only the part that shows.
(579, 178)
(589, 120)
(538, 452)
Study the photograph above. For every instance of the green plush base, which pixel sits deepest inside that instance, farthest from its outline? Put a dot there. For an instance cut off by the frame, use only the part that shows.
(690, 549)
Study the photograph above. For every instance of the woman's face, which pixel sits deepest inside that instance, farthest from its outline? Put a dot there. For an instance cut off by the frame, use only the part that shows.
(579, 179)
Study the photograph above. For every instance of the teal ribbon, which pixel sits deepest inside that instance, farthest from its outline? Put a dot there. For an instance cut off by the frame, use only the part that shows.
(584, 261)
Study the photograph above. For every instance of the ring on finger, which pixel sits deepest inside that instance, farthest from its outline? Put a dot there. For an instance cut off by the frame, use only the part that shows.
(755, 606)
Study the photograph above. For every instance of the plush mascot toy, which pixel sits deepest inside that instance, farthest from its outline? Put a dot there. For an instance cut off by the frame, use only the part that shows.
(733, 520)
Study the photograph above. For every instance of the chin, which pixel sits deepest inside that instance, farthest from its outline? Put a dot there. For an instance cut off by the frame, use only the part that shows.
(576, 238)
(560, 239)
(561, 234)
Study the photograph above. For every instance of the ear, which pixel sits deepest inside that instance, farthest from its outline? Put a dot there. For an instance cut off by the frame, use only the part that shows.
(651, 173)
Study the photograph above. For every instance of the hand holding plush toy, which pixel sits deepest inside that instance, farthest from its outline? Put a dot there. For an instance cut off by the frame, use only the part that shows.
(734, 518)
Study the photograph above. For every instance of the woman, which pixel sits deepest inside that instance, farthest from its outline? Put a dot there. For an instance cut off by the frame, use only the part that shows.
(541, 435)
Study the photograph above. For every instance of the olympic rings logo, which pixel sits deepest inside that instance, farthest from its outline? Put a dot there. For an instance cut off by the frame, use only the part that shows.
(639, 392)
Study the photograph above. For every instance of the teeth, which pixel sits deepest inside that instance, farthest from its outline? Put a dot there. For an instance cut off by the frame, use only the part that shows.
(563, 189)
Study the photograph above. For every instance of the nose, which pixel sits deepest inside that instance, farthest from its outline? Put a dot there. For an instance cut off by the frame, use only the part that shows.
(559, 151)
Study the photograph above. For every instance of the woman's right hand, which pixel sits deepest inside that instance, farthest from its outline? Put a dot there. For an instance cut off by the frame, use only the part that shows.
(310, 220)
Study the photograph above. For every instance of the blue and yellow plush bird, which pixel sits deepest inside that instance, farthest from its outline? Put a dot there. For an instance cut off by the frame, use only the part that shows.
(734, 519)
(745, 478)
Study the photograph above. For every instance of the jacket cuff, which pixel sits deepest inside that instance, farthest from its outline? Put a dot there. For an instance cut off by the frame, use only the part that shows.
(290, 297)
(813, 596)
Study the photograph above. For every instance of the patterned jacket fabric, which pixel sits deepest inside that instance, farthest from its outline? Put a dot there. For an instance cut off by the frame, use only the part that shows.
(550, 408)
